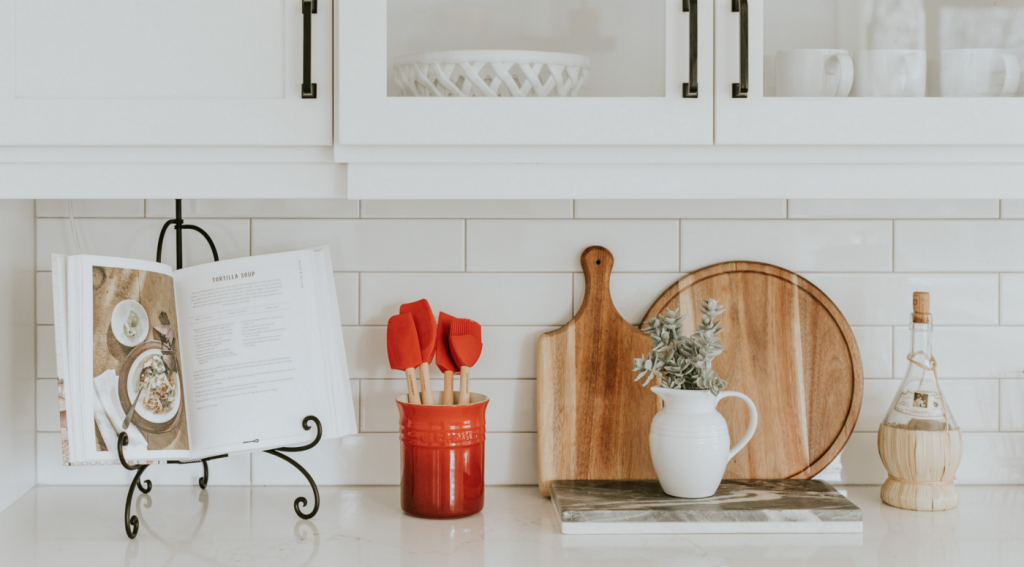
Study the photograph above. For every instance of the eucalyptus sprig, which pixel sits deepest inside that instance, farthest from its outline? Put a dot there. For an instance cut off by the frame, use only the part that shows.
(684, 362)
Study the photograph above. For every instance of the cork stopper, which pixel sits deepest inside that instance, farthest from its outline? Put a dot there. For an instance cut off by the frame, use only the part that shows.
(922, 306)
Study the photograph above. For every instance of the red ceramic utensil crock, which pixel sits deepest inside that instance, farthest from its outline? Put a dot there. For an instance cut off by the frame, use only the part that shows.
(442, 458)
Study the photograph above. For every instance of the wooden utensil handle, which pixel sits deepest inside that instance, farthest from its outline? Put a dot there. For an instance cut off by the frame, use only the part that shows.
(428, 393)
(410, 384)
(464, 386)
(449, 391)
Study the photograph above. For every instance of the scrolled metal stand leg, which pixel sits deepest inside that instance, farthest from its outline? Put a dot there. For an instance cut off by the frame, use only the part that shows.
(301, 500)
(206, 476)
(131, 523)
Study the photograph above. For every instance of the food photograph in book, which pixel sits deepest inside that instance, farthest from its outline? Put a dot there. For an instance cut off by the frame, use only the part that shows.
(136, 361)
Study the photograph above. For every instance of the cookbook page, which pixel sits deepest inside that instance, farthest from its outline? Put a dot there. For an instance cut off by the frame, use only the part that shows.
(127, 359)
(251, 351)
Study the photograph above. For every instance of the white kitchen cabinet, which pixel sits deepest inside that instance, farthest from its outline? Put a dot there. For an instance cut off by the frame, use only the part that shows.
(164, 73)
(639, 54)
(765, 140)
(922, 72)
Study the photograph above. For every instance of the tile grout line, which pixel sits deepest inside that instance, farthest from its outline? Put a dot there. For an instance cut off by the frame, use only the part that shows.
(251, 455)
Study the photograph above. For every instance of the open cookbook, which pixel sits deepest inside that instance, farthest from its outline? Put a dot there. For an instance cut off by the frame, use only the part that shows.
(220, 358)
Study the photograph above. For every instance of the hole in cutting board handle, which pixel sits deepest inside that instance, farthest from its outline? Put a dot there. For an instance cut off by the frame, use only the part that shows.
(598, 262)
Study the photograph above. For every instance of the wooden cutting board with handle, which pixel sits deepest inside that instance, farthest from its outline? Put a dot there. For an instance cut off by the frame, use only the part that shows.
(791, 351)
(592, 418)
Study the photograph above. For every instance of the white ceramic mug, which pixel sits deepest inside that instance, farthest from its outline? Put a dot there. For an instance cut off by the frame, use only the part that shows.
(813, 73)
(890, 72)
(979, 72)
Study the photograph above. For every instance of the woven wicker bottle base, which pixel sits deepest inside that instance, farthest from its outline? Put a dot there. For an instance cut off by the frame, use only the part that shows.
(921, 467)
(924, 498)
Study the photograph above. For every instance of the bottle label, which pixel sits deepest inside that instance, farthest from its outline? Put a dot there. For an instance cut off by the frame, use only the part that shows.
(920, 404)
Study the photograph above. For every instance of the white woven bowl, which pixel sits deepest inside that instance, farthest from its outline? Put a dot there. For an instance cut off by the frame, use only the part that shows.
(492, 73)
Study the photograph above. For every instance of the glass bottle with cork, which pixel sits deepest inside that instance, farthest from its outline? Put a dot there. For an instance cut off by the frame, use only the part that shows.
(919, 441)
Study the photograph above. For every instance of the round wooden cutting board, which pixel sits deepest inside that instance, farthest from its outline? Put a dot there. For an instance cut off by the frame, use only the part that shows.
(789, 348)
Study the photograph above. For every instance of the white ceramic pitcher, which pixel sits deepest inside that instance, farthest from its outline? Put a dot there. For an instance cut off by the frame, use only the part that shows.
(690, 441)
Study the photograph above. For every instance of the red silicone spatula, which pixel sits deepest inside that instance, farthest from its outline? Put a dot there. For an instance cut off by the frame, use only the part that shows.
(444, 357)
(466, 346)
(404, 350)
(426, 331)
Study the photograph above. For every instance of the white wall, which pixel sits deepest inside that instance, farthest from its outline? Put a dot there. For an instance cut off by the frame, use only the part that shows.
(17, 350)
(514, 266)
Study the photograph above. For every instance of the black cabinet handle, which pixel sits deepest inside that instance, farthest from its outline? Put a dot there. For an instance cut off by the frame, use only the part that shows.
(690, 89)
(308, 9)
(740, 89)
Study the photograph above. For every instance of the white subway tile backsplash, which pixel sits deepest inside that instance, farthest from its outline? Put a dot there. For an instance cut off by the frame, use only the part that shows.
(255, 208)
(681, 209)
(878, 394)
(875, 345)
(137, 238)
(514, 266)
(46, 352)
(801, 246)
(373, 459)
(467, 209)
(50, 469)
(346, 285)
(512, 406)
(511, 459)
(489, 299)
(633, 294)
(1011, 405)
(47, 406)
(886, 299)
(370, 245)
(959, 246)
(44, 298)
(556, 246)
(974, 403)
(232, 471)
(893, 209)
(85, 208)
(860, 461)
(364, 459)
(968, 352)
(992, 458)
(509, 352)
(1013, 208)
(1011, 299)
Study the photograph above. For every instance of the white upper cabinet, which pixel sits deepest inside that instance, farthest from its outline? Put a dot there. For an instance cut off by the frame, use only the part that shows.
(164, 73)
(468, 73)
(869, 72)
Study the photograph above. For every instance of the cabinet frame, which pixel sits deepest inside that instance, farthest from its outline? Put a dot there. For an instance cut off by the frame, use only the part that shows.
(774, 121)
(367, 117)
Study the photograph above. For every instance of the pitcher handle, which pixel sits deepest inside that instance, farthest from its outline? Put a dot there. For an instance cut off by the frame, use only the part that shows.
(750, 428)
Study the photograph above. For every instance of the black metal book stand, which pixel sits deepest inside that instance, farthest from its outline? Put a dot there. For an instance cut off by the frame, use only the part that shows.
(131, 522)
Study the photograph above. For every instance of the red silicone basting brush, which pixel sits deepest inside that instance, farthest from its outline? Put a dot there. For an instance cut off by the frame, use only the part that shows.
(404, 350)
(426, 331)
(445, 362)
(466, 346)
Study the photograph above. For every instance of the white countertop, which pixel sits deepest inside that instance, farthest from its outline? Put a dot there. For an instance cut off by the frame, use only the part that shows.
(83, 527)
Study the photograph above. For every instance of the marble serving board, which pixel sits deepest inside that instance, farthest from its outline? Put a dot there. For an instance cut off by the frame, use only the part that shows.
(739, 507)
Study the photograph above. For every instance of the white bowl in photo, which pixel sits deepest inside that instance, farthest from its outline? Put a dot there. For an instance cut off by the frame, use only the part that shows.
(120, 316)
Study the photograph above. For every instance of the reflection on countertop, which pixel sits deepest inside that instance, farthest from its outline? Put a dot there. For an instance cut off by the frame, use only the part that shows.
(82, 526)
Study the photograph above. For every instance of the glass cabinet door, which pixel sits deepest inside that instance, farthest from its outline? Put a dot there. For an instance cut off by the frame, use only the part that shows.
(921, 72)
(528, 72)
